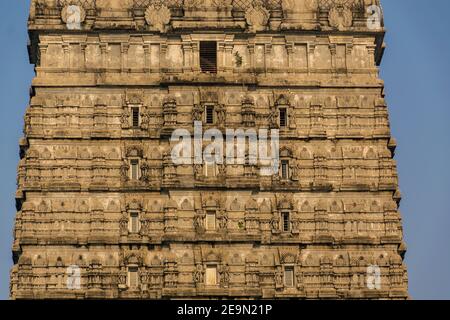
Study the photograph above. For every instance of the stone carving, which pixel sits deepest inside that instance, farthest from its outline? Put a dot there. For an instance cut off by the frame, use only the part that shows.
(288, 4)
(158, 16)
(197, 113)
(340, 17)
(73, 16)
(224, 275)
(124, 169)
(145, 118)
(170, 111)
(125, 118)
(222, 3)
(279, 278)
(223, 221)
(222, 170)
(248, 112)
(206, 4)
(124, 224)
(275, 224)
(132, 257)
(298, 5)
(257, 18)
(198, 171)
(199, 274)
(221, 114)
(273, 118)
(199, 226)
(134, 151)
(145, 172)
(190, 4)
(295, 171)
(114, 4)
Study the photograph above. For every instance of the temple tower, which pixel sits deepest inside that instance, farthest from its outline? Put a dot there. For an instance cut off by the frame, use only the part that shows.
(104, 211)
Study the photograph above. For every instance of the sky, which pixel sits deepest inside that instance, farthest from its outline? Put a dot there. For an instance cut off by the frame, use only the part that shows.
(416, 70)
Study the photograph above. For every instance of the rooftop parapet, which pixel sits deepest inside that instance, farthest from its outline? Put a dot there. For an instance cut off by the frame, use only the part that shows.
(250, 16)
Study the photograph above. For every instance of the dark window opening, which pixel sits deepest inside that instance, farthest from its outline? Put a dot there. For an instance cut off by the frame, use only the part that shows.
(285, 169)
(283, 117)
(208, 56)
(209, 115)
(135, 117)
(286, 221)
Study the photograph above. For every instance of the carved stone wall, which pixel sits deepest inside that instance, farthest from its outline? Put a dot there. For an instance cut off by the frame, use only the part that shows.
(88, 169)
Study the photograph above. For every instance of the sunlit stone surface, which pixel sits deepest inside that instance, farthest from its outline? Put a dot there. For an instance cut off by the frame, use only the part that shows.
(103, 212)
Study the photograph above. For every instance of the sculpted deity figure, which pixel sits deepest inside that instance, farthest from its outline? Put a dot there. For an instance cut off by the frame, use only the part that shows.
(158, 17)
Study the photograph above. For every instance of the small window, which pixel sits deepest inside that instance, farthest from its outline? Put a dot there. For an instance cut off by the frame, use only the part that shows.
(133, 277)
(211, 275)
(286, 221)
(285, 169)
(289, 277)
(134, 169)
(283, 117)
(209, 115)
(211, 221)
(135, 116)
(134, 225)
(208, 56)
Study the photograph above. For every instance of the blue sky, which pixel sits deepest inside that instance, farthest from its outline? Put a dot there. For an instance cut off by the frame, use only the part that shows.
(416, 69)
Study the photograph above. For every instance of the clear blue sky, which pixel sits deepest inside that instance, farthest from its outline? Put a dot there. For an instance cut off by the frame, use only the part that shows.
(416, 68)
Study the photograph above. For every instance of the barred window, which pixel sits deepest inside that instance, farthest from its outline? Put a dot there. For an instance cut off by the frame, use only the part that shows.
(286, 221)
(284, 169)
(208, 56)
(135, 117)
(209, 115)
(283, 117)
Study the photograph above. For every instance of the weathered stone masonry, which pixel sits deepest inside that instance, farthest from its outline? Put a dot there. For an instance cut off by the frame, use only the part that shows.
(97, 188)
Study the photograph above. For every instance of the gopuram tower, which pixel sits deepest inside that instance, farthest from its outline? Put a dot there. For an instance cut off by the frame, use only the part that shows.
(104, 211)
